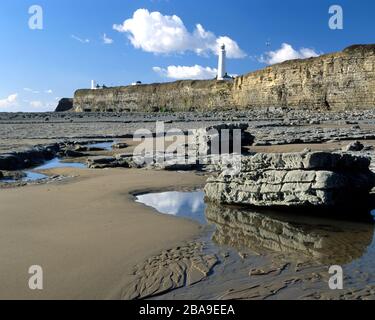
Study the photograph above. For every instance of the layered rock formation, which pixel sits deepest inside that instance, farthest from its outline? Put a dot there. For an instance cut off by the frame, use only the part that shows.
(334, 81)
(176, 96)
(295, 179)
(343, 80)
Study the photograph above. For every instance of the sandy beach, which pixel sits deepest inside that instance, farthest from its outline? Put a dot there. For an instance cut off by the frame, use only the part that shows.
(94, 241)
(87, 232)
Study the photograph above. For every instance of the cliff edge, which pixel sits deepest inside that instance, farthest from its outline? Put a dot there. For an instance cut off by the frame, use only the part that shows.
(338, 81)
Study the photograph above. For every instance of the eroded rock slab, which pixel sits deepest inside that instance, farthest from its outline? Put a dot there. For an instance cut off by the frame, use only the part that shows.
(295, 179)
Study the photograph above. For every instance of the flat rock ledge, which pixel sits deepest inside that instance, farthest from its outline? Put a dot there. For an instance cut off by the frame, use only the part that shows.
(311, 179)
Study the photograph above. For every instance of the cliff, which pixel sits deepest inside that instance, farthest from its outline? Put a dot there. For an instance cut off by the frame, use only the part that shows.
(173, 96)
(333, 81)
(65, 104)
(343, 80)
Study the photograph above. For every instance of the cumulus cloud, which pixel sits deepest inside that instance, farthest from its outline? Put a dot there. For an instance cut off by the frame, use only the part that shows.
(106, 39)
(10, 101)
(196, 72)
(163, 34)
(287, 52)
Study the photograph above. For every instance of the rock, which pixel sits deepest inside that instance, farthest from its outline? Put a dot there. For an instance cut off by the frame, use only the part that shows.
(101, 162)
(119, 161)
(354, 146)
(28, 158)
(65, 104)
(72, 154)
(316, 179)
(120, 145)
(12, 175)
(219, 139)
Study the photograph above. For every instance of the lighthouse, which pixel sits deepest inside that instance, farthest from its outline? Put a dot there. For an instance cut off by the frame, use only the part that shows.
(93, 85)
(222, 68)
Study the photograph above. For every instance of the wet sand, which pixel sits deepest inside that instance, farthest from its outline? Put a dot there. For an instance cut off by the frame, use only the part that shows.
(87, 233)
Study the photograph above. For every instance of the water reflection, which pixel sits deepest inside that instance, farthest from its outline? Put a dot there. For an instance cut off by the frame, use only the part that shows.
(102, 145)
(57, 163)
(326, 241)
(182, 204)
(323, 240)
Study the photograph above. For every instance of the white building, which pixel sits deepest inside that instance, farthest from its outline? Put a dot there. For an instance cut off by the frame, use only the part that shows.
(93, 85)
(222, 66)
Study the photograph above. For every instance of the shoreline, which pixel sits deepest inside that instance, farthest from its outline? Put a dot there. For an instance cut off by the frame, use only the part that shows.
(86, 246)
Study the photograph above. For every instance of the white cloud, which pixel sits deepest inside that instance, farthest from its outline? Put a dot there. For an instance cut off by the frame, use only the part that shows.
(287, 52)
(184, 72)
(36, 104)
(10, 101)
(31, 90)
(156, 33)
(80, 39)
(106, 39)
(49, 91)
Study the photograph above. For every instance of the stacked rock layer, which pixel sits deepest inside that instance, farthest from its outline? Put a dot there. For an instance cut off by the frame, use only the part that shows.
(294, 179)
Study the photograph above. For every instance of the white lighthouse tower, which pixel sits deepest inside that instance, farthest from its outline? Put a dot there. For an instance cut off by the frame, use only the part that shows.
(222, 67)
(93, 85)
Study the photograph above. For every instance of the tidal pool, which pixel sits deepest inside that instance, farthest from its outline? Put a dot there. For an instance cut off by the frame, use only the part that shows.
(323, 240)
(57, 163)
(30, 176)
(189, 205)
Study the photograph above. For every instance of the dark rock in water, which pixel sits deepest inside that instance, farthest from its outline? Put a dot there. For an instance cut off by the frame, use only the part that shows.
(12, 175)
(120, 146)
(355, 147)
(65, 104)
(72, 154)
(28, 158)
(101, 162)
(317, 179)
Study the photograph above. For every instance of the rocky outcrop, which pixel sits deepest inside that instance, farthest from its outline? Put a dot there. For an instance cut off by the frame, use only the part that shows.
(295, 179)
(65, 104)
(220, 139)
(204, 150)
(28, 158)
(343, 80)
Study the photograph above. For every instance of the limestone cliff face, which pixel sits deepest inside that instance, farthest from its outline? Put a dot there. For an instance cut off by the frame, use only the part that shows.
(344, 80)
(175, 96)
(334, 81)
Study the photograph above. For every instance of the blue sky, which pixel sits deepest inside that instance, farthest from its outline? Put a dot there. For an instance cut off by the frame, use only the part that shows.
(39, 66)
